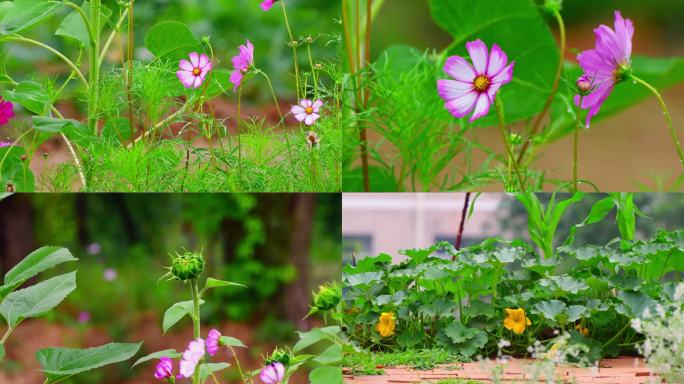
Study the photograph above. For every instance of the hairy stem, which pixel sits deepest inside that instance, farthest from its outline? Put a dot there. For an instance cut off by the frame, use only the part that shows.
(668, 118)
(505, 136)
(554, 89)
(195, 321)
(74, 157)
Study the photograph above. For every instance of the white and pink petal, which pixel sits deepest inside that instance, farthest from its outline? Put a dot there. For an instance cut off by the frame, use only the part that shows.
(460, 69)
(478, 55)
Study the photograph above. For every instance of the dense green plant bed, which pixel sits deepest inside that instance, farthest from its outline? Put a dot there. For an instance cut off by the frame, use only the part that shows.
(516, 298)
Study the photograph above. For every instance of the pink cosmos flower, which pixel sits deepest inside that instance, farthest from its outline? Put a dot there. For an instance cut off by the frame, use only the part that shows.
(474, 86)
(84, 317)
(267, 4)
(213, 342)
(4, 144)
(242, 62)
(193, 73)
(110, 274)
(272, 373)
(191, 357)
(164, 368)
(608, 63)
(307, 111)
(6, 111)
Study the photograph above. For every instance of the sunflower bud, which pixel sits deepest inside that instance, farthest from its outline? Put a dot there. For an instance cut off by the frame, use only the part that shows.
(187, 266)
(328, 297)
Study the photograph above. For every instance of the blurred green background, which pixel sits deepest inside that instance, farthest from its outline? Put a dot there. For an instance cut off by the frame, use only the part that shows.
(281, 246)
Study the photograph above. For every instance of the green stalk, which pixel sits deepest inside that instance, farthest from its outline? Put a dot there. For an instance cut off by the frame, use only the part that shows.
(505, 136)
(575, 160)
(282, 118)
(94, 73)
(238, 129)
(55, 52)
(293, 44)
(195, 321)
(668, 118)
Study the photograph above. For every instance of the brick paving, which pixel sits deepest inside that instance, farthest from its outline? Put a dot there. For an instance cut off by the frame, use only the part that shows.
(610, 371)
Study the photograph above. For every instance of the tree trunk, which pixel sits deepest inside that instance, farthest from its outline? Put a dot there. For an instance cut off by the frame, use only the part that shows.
(16, 230)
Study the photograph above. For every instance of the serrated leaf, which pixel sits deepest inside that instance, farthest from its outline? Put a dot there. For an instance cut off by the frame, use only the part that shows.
(60, 363)
(156, 355)
(37, 299)
(36, 262)
(176, 312)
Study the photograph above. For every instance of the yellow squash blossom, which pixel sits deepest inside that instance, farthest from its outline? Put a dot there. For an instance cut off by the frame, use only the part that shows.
(516, 320)
(385, 326)
(584, 331)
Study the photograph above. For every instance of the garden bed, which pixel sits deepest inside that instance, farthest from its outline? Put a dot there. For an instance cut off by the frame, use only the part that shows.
(626, 370)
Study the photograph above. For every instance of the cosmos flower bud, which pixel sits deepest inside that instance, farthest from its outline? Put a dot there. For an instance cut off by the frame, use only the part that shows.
(515, 139)
(328, 297)
(279, 355)
(584, 85)
(187, 266)
(553, 6)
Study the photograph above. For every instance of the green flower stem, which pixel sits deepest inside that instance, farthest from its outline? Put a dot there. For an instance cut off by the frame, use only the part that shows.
(554, 88)
(294, 47)
(94, 72)
(77, 162)
(239, 106)
(666, 112)
(6, 335)
(164, 122)
(617, 335)
(282, 118)
(80, 11)
(195, 321)
(237, 363)
(575, 161)
(55, 52)
(505, 136)
(313, 70)
(117, 28)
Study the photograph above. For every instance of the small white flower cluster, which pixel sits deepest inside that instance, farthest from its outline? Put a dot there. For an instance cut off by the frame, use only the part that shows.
(663, 346)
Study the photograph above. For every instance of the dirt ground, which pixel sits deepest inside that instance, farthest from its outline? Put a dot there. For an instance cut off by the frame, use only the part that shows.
(21, 366)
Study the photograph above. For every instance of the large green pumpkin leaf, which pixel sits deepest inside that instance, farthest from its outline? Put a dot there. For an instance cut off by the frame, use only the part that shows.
(37, 299)
(171, 39)
(73, 26)
(60, 363)
(519, 29)
(36, 262)
(25, 14)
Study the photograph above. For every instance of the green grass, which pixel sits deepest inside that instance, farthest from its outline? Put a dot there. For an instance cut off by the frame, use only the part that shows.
(372, 363)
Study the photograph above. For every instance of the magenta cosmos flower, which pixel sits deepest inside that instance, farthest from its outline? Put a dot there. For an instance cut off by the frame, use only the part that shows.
(607, 64)
(307, 111)
(474, 86)
(191, 357)
(212, 342)
(6, 111)
(164, 368)
(4, 144)
(242, 62)
(267, 4)
(193, 73)
(272, 373)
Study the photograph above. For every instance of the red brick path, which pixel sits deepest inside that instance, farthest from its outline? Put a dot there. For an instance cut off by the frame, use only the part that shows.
(610, 371)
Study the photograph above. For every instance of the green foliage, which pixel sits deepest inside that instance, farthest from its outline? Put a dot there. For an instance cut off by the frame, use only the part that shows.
(74, 27)
(36, 262)
(176, 312)
(24, 14)
(456, 300)
(61, 363)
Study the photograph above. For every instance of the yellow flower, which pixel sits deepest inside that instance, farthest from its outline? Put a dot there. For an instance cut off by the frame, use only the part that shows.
(385, 326)
(516, 320)
(584, 331)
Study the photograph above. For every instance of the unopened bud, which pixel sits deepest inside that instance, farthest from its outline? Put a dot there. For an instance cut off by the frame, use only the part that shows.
(328, 297)
(187, 266)
(583, 84)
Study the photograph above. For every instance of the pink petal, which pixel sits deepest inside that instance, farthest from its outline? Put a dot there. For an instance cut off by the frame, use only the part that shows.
(306, 103)
(462, 105)
(491, 92)
(624, 29)
(607, 45)
(459, 69)
(481, 107)
(194, 59)
(317, 105)
(311, 119)
(296, 110)
(301, 116)
(594, 65)
(497, 61)
(186, 66)
(505, 75)
(236, 79)
(187, 78)
(478, 55)
(203, 61)
(452, 89)
(595, 100)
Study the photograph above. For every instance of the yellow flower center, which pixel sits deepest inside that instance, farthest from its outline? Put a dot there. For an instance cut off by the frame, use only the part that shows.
(516, 320)
(196, 71)
(386, 324)
(481, 83)
(309, 110)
